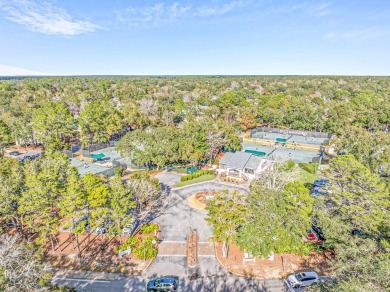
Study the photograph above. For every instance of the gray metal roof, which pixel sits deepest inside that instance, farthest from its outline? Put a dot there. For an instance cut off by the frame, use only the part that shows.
(240, 160)
(253, 162)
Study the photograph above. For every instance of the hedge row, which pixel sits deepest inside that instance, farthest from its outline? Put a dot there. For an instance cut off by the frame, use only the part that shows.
(196, 174)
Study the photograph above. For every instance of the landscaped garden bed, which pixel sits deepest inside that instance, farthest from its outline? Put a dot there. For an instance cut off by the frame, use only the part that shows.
(192, 249)
(234, 180)
(279, 267)
(196, 177)
(143, 246)
(199, 200)
(202, 197)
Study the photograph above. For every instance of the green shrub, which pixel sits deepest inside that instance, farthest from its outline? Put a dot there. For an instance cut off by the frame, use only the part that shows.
(133, 241)
(214, 162)
(210, 171)
(290, 164)
(148, 228)
(67, 225)
(118, 171)
(183, 178)
(148, 241)
(146, 249)
(190, 177)
(310, 168)
(309, 247)
(144, 252)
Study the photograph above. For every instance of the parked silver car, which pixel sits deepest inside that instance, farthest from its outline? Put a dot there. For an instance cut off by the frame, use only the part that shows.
(303, 279)
(128, 229)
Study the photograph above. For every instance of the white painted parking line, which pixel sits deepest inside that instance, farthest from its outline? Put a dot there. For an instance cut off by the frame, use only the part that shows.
(171, 255)
(82, 280)
(172, 241)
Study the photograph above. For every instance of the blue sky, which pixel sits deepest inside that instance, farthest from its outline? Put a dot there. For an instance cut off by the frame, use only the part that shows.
(243, 37)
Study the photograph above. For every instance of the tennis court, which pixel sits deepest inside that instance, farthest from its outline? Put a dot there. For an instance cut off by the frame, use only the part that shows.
(111, 154)
(270, 136)
(87, 167)
(295, 155)
(278, 137)
(308, 140)
(253, 147)
(283, 153)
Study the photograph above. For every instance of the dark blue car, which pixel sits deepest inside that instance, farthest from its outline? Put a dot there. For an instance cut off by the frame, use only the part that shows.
(320, 182)
(165, 283)
(317, 191)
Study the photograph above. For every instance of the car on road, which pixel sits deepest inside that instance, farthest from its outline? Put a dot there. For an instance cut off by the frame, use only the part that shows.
(14, 153)
(303, 279)
(165, 283)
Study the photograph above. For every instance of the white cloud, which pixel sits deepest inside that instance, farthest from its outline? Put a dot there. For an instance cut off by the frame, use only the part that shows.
(161, 13)
(316, 10)
(153, 15)
(45, 18)
(6, 70)
(356, 35)
(220, 9)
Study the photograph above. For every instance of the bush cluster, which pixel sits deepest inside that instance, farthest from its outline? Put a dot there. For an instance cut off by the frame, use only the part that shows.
(196, 174)
(310, 168)
(141, 249)
(148, 228)
(132, 242)
(146, 249)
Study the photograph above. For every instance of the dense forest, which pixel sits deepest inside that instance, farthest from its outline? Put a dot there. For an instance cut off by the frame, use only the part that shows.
(190, 119)
(56, 111)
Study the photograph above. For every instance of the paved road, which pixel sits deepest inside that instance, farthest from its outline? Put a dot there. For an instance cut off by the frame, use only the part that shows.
(176, 221)
(208, 277)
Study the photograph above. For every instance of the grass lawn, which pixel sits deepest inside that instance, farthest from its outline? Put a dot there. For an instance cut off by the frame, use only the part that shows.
(180, 169)
(305, 177)
(202, 178)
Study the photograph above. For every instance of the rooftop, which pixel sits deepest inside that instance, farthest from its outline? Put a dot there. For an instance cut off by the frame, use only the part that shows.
(240, 160)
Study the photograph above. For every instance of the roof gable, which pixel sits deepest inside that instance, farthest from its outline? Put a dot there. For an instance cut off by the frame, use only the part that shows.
(240, 160)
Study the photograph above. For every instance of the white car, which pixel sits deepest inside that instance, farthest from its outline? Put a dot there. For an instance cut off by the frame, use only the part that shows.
(303, 279)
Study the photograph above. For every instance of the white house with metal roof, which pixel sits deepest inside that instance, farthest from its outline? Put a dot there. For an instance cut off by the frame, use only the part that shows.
(242, 165)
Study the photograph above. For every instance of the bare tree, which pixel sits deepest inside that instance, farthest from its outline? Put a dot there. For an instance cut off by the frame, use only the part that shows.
(216, 139)
(278, 175)
(145, 191)
(148, 106)
(20, 269)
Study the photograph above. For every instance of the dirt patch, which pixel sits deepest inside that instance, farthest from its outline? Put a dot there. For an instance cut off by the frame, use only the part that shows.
(192, 249)
(279, 267)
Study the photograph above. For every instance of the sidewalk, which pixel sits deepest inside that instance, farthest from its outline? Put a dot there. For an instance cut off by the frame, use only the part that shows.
(88, 275)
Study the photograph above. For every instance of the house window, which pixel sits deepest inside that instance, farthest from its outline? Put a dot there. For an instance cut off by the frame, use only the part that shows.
(250, 171)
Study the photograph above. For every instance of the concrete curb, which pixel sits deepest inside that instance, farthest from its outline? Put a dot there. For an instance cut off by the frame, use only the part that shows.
(195, 184)
(192, 202)
(212, 181)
